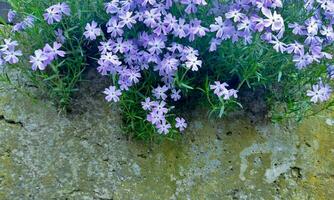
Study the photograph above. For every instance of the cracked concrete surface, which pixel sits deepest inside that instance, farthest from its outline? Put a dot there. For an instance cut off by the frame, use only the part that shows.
(47, 155)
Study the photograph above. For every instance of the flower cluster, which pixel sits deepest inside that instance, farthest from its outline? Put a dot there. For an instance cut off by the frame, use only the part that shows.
(159, 44)
(27, 22)
(127, 57)
(157, 115)
(56, 12)
(8, 52)
(320, 92)
(221, 90)
(44, 57)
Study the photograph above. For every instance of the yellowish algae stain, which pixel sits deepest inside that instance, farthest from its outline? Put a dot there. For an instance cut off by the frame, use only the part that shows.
(236, 159)
(316, 157)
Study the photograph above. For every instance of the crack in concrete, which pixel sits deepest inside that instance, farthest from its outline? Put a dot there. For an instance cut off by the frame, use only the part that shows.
(9, 121)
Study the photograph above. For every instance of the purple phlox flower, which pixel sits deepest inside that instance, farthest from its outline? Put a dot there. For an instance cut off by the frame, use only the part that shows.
(64, 8)
(302, 60)
(295, 48)
(112, 7)
(191, 6)
(259, 23)
(176, 48)
(274, 20)
(297, 29)
(147, 104)
(176, 94)
(111, 58)
(170, 22)
(278, 45)
(320, 92)
(330, 71)
(151, 2)
(120, 46)
(246, 25)
(193, 63)
(105, 67)
(114, 28)
(134, 75)
(224, 29)
(214, 43)
(219, 89)
(180, 124)
(11, 55)
(328, 32)
(187, 51)
(38, 60)
(52, 15)
(195, 28)
(159, 92)
(313, 39)
(232, 93)
(313, 26)
(92, 31)
(168, 65)
(156, 45)
(53, 52)
(152, 17)
(112, 93)
(28, 22)
(235, 14)
(156, 117)
(59, 36)
(163, 128)
(18, 27)
(9, 44)
(127, 19)
(105, 47)
(160, 107)
(11, 15)
(181, 29)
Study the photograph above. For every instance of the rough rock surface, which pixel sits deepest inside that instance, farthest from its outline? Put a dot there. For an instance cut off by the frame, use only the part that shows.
(47, 155)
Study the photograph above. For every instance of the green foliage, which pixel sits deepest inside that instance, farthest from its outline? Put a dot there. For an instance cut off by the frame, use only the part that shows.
(60, 81)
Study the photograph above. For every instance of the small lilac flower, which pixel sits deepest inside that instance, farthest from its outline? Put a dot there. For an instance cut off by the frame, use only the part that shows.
(156, 117)
(319, 93)
(127, 19)
(11, 16)
(181, 124)
(11, 56)
(278, 45)
(175, 95)
(302, 60)
(114, 28)
(160, 107)
(163, 128)
(9, 44)
(53, 52)
(330, 71)
(274, 20)
(159, 92)
(92, 31)
(38, 61)
(219, 89)
(60, 36)
(147, 104)
(52, 15)
(112, 93)
(193, 63)
(235, 14)
(105, 47)
(64, 8)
